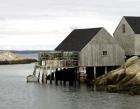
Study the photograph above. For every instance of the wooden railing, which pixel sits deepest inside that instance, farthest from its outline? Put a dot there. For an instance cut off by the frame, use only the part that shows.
(59, 59)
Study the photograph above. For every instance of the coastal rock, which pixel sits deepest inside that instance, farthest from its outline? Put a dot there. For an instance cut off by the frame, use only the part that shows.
(9, 56)
(12, 58)
(123, 78)
(112, 88)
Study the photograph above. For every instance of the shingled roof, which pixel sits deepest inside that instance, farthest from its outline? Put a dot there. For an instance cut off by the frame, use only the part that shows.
(134, 22)
(77, 39)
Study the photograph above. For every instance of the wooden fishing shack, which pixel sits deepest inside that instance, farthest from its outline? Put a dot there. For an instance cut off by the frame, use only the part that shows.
(98, 51)
(90, 52)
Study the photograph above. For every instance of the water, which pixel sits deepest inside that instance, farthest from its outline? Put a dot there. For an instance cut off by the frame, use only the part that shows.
(30, 55)
(15, 93)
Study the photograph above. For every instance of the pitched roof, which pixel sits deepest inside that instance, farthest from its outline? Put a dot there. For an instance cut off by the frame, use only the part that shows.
(134, 22)
(77, 39)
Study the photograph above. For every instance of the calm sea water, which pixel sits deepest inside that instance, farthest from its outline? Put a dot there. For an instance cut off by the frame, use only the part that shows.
(15, 93)
(30, 55)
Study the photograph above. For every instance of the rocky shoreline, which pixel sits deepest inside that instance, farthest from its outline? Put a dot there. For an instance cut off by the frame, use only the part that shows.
(125, 79)
(21, 61)
(7, 58)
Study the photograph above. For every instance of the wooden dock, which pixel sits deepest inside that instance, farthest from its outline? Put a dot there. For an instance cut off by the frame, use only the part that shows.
(63, 67)
(60, 68)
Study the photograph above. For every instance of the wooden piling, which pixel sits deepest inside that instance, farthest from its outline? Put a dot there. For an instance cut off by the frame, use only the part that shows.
(34, 72)
(64, 77)
(42, 77)
(39, 77)
(46, 78)
(78, 74)
(94, 72)
(51, 77)
(56, 77)
(105, 70)
(69, 76)
(61, 76)
(74, 77)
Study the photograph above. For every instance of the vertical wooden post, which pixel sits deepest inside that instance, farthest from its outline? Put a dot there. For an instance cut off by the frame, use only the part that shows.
(64, 82)
(105, 70)
(56, 77)
(64, 76)
(46, 78)
(94, 77)
(70, 75)
(39, 75)
(79, 74)
(61, 76)
(61, 82)
(34, 73)
(43, 77)
(42, 62)
(94, 72)
(51, 78)
(39, 58)
(45, 72)
(76, 76)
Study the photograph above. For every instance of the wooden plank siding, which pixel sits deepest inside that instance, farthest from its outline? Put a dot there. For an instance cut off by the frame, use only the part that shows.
(137, 44)
(125, 39)
(92, 53)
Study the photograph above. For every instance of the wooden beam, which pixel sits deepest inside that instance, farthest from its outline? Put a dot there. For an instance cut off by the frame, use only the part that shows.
(105, 70)
(94, 72)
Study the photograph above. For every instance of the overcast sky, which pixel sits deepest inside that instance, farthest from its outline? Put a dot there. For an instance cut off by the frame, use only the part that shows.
(43, 24)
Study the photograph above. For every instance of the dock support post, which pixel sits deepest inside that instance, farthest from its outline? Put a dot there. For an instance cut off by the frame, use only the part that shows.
(51, 78)
(44, 75)
(75, 76)
(39, 76)
(56, 77)
(34, 72)
(79, 75)
(94, 78)
(94, 72)
(61, 76)
(51, 74)
(105, 70)
(46, 78)
(64, 77)
(70, 76)
(61, 82)
(45, 68)
(64, 82)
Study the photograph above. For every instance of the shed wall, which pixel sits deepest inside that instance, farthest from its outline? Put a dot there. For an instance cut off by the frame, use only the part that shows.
(137, 44)
(125, 39)
(92, 53)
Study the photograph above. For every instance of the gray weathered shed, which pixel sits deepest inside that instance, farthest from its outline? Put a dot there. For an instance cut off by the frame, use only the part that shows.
(128, 35)
(96, 47)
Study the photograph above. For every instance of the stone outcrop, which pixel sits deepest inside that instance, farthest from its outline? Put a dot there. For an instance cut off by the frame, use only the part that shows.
(126, 78)
(12, 58)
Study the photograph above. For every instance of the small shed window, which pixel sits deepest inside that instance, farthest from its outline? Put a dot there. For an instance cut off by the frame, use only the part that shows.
(104, 53)
(123, 28)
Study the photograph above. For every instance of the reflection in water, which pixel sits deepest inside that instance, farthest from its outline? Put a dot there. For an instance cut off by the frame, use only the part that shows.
(15, 93)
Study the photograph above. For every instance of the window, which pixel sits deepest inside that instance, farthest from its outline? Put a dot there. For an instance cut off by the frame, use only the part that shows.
(104, 53)
(123, 28)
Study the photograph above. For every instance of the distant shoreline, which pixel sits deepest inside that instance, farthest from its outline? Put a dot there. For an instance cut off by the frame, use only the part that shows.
(22, 61)
(23, 51)
(8, 57)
